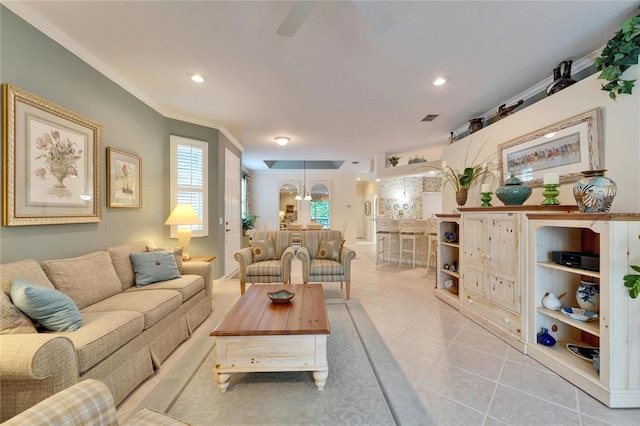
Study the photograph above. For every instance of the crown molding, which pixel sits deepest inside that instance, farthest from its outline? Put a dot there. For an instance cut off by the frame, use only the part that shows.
(24, 12)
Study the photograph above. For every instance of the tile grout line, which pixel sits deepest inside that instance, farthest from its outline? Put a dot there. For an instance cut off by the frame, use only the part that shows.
(495, 389)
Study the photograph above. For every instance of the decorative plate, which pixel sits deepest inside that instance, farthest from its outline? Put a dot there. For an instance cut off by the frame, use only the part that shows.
(578, 314)
(281, 296)
(585, 352)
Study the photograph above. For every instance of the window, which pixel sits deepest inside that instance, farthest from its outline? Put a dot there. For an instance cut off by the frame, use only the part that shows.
(189, 171)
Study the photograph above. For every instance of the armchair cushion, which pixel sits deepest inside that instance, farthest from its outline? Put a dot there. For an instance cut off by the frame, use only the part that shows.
(263, 250)
(329, 250)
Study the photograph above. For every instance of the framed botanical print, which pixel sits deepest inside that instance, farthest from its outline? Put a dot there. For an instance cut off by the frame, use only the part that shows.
(52, 162)
(124, 185)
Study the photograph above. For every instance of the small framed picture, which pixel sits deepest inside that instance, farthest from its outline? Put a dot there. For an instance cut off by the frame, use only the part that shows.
(124, 183)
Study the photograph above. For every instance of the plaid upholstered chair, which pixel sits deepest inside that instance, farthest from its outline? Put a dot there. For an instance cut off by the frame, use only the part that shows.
(268, 260)
(324, 259)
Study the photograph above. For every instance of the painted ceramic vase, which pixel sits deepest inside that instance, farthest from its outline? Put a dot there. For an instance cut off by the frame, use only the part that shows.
(588, 296)
(561, 78)
(544, 338)
(513, 193)
(461, 198)
(551, 302)
(475, 124)
(595, 192)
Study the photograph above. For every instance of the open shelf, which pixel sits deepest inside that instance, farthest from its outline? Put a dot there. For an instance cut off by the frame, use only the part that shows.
(560, 353)
(448, 272)
(448, 297)
(591, 327)
(456, 245)
(553, 265)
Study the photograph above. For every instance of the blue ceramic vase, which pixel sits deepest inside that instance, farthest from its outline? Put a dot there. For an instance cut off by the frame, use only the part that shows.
(544, 338)
(513, 193)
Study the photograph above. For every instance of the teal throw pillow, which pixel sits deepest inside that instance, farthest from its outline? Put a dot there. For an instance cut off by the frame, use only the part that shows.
(153, 267)
(330, 250)
(263, 250)
(54, 310)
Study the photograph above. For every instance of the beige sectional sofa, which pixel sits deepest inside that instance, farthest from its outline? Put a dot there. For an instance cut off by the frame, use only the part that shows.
(127, 331)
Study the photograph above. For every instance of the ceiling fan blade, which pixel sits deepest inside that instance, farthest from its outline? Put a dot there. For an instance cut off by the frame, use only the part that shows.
(376, 14)
(296, 17)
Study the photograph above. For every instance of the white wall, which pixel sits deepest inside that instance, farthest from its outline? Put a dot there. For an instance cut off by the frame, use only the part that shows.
(266, 199)
(620, 137)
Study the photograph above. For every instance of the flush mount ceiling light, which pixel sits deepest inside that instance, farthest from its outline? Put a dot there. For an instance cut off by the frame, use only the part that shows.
(197, 78)
(439, 81)
(282, 140)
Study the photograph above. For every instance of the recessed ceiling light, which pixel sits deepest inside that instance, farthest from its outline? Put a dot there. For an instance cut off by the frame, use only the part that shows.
(439, 81)
(550, 135)
(197, 78)
(282, 140)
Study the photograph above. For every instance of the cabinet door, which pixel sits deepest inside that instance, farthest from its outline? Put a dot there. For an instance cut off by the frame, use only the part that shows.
(474, 254)
(504, 263)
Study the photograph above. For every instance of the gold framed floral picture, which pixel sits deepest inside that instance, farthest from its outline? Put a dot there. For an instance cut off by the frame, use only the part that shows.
(52, 162)
(124, 185)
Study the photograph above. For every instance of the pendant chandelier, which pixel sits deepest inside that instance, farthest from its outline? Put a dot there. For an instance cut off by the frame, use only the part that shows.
(304, 195)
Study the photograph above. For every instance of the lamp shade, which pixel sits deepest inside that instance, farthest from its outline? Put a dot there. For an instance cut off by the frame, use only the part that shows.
(183, 214)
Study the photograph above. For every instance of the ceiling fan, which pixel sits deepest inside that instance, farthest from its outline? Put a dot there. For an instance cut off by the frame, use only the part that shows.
(376, 15)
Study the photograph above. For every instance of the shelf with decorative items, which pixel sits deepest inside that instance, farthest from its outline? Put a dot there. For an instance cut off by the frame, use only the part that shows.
(596, 343)
(448, 271)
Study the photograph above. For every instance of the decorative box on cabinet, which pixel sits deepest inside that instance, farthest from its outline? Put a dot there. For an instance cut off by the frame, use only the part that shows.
(494, 274)
(448, 254)
(616, 238)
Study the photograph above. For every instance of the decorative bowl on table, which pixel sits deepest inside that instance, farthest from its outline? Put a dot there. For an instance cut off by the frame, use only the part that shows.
(578, 314)
(281, 296)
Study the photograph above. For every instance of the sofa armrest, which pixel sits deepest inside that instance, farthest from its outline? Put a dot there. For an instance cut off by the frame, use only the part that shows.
(204, 269)
(88, 403)
(287, 257)
(244, 257)
(34, 367)
(303, 255)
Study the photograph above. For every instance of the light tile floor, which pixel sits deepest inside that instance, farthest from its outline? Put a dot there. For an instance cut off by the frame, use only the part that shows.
(464, 374)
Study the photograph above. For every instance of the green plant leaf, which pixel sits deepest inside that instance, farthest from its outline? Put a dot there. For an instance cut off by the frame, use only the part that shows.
(635, 268)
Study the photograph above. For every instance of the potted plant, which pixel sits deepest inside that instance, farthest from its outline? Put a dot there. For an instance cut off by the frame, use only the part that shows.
(632, 281)
(393, 160)
(619, 54)
(248, 222)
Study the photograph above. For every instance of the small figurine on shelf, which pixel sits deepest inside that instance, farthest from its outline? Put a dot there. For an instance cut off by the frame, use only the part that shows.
(485, 195)
(550, 184)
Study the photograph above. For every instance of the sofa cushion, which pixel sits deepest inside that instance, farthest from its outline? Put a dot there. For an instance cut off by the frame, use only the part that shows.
(154, 266)
(54, 310)
(28, 269)
(177, 253)
(268, 268)
(122, 264)
(12, 320)
(187, 285)
(86, 279)
(330, 249)
(153, 304)
(102, 334)
(263, 250)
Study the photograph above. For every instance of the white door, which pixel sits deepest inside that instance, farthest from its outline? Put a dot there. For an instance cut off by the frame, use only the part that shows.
(431, 204)
(232, 220)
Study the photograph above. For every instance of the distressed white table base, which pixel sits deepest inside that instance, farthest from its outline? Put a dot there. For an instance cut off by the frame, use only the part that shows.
(240, 354)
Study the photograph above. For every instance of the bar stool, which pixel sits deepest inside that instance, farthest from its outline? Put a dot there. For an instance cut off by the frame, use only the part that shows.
(432, 241)
(409, 234)
(386, 237)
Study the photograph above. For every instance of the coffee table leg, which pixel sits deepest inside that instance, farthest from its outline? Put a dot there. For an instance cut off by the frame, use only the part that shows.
(222, 380)
(320, 378)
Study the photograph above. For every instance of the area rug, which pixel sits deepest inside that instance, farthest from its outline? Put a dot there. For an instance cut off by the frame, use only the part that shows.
(366, 386)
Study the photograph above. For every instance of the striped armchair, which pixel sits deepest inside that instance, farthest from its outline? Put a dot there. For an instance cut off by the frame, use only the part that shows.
(267, 271)
(316, 263)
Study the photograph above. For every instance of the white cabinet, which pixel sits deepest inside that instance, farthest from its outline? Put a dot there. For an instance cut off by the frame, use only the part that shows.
(616, 238)
(448, 275)
(493, 273)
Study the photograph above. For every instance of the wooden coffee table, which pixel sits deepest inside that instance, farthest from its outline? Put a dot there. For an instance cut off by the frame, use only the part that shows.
(258, 336)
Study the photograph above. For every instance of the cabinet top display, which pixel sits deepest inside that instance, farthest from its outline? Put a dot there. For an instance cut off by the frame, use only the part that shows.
(586, 216)
(525, 208)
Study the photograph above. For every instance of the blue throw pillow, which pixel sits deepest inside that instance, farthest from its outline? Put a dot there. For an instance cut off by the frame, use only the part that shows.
(54, 310)
(154, 266)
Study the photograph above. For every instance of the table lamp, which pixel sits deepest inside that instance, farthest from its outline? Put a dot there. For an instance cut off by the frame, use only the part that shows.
(183, 214)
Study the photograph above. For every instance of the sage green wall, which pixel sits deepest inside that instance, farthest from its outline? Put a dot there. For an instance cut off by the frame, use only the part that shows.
(33, 62)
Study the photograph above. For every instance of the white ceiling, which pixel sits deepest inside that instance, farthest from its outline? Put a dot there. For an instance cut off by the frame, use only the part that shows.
(337, 89)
